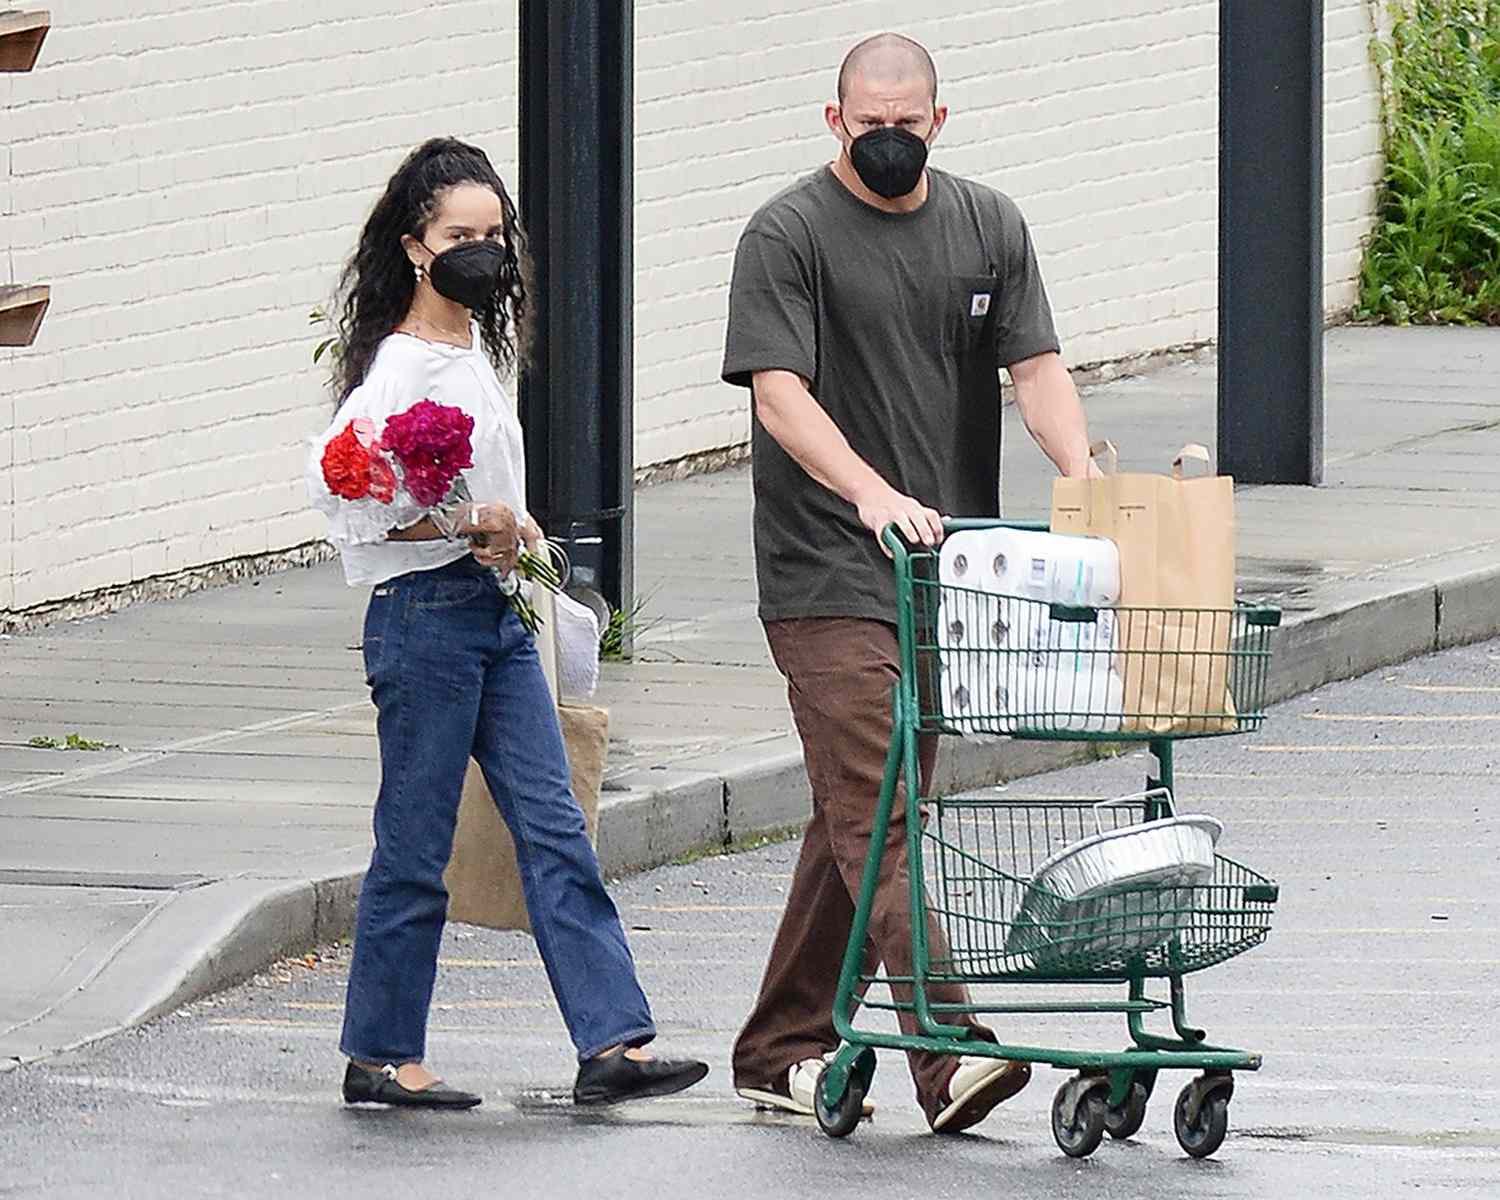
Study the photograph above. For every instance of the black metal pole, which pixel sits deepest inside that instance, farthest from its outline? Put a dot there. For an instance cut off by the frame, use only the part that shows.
(1271, 240)
(577, 130)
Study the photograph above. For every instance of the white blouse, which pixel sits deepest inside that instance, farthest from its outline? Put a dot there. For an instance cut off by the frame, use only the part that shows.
(407, 369)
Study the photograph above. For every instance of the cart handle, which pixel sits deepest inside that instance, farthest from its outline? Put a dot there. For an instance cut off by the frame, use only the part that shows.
(1162, 794)
(959, 524)
(892, 537)
(895, 541)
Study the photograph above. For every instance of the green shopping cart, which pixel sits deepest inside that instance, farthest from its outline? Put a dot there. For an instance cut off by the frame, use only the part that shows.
(998, 910)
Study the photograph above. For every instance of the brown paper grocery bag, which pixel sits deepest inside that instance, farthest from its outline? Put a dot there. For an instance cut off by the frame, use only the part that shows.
(1176, 540)
(484, 886)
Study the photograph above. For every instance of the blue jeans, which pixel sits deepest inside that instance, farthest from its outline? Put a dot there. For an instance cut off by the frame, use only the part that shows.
(455, 675)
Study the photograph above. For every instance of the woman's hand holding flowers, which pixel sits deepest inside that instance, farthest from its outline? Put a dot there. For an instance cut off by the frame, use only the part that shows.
(531, 534)
(495, 534)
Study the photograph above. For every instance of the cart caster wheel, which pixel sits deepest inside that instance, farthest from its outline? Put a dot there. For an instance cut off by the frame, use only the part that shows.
(843, 1118)
(1200, 1137)
(1081, 1136)
(1125, 1121)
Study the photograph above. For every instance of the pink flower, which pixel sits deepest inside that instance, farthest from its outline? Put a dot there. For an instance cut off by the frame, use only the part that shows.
(431, 442)
(364, 432)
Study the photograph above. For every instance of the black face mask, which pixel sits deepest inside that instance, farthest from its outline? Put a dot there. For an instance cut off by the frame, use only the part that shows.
(468, 273)
(889, 160)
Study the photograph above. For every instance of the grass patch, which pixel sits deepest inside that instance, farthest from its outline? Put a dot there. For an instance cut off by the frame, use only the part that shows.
(755, 841)
(1434, 255)
(73, 741)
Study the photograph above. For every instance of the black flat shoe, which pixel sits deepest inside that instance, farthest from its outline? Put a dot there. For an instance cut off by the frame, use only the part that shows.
(610, 1080)
(381, 1087)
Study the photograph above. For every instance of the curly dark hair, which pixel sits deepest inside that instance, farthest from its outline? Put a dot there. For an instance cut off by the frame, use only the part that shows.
(377, 283)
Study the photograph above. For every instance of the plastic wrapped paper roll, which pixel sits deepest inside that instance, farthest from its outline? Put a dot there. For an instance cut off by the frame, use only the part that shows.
(1006, 665)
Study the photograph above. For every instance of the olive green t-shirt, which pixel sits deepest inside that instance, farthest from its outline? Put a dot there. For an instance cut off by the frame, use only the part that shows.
(900, 323)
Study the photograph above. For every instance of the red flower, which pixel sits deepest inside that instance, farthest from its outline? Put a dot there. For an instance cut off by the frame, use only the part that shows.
(431, 441)
(346, 466)
(382, 477)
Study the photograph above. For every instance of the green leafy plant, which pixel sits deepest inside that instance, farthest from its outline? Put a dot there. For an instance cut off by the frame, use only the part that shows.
(330, 344)
(73, 741)
(1434, 255)
(623, 627)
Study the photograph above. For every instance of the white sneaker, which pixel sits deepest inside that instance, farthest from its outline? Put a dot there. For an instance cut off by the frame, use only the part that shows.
(801, 1082)
(978, 1086)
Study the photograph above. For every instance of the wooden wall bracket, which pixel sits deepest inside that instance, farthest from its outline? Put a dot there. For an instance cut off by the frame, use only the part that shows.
(22, 307)
(21, 36)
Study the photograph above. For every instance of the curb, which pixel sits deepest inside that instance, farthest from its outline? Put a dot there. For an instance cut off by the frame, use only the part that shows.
(208, 938)
(197, 941)
(1387, 625)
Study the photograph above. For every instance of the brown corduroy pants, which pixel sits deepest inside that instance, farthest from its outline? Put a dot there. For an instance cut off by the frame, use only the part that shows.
(840, 673)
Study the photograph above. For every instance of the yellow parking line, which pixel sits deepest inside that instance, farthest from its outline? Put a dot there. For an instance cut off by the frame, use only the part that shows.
(705, 908)
(1354, 822)
(1436, 927)
(443, 1005)
(508, 1033)
(1396, 717)
(495, 963)
(1453, 688)
(1366, 961)
(1361, 748)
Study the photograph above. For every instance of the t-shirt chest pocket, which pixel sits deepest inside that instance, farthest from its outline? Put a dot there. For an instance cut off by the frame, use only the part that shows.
(970, 313)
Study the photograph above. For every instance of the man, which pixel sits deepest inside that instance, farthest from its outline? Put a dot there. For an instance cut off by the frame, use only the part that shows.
(872, 306)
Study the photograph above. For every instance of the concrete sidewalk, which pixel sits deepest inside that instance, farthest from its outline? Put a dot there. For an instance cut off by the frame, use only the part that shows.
(229, 820)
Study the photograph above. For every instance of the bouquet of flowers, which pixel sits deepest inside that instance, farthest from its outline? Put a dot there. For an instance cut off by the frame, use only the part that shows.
(423, 452)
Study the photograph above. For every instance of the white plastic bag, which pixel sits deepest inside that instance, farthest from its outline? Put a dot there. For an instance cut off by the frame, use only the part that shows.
(577, 631)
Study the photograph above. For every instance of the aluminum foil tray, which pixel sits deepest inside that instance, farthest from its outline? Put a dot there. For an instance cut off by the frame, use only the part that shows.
(1116, 894)
(1171, 852)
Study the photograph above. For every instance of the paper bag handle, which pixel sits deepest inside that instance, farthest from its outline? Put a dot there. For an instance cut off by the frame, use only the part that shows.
(1104, 453)
(1197, 453)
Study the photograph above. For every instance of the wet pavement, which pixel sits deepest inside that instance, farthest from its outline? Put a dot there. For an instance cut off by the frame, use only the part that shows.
(1374, 803)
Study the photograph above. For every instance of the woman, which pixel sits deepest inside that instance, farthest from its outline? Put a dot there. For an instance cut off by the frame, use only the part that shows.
(436, 300)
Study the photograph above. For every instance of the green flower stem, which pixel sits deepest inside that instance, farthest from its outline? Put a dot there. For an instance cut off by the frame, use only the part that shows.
(539, 570)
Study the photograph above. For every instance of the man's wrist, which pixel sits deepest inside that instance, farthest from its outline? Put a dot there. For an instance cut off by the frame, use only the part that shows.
(1083, 465)
(865, 490)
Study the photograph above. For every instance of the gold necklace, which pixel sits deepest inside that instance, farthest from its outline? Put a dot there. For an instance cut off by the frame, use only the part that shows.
(447, 335)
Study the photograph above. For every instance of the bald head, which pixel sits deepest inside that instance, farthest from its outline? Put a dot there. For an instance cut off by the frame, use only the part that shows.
(888, 59)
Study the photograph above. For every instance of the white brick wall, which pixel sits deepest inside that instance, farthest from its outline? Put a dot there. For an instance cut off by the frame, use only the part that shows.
(1104, 127)
(189, 176)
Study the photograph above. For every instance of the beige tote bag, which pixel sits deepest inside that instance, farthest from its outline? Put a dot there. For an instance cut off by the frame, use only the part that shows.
(484, 885)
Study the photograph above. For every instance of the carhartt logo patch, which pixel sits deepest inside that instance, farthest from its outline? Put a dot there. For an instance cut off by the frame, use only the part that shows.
(979, 304)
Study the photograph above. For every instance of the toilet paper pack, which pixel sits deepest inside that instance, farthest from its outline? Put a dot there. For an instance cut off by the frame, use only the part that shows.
(1005, 664)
